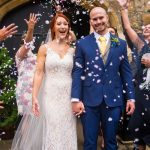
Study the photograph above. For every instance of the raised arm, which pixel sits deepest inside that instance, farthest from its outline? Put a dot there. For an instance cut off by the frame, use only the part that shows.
(5, 32)
(38, 77)
(21, 53)
(126, 22)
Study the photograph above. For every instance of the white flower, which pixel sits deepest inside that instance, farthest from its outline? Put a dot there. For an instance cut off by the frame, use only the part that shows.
(124, 91)
(77, 12)
(120, 58)
(46, 21)
(136, 140)
(82, 77)
(110, 119)
(96, 58)
(90, 74)
(137, 129)
(96, 66)
(84, 12)
(98, 81)
(78, 64)
(111, 64)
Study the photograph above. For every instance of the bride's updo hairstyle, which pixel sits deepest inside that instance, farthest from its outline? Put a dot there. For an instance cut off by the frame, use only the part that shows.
(53, 21)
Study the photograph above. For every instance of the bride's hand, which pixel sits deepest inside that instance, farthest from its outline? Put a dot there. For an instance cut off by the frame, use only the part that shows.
(78, 108)
(35, 107)
(71, 37)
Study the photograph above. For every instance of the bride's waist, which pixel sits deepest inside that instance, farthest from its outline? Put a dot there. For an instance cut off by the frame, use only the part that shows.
(58, 77)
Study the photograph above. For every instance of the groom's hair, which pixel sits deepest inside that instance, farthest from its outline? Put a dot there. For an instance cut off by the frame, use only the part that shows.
(53, 21)
(101, 9)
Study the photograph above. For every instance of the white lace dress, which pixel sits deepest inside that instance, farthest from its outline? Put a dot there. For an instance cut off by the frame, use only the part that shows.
(55, 129)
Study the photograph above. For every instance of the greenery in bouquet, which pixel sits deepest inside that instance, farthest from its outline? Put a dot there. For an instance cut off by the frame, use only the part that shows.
(8, 115)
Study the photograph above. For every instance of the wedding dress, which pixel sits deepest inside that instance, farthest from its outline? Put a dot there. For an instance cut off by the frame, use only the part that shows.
(55, 129)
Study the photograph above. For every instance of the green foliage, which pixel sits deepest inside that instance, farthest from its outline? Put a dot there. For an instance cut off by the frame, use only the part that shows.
(8, 115)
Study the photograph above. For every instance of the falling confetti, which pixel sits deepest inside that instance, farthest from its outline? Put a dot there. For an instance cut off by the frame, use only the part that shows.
(110, 119)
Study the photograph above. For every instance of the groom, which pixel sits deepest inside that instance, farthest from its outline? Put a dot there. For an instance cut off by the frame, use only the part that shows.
(101, 74)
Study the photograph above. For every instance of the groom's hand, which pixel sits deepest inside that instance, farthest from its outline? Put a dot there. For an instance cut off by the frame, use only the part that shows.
(130, 107)
(78, 108)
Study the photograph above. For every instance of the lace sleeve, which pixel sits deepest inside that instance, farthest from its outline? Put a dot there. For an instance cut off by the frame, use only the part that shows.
(18, 61)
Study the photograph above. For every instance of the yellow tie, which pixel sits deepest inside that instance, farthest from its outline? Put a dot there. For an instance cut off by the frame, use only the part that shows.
(103, 45)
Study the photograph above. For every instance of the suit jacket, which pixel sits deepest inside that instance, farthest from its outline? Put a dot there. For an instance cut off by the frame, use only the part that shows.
(94, 81)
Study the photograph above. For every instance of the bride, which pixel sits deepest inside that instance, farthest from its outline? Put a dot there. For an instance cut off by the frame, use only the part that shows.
(53, 125)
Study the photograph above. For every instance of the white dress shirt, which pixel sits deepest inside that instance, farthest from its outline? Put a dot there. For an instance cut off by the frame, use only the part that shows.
(97, 36)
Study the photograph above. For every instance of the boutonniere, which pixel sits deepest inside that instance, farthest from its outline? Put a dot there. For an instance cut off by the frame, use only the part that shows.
(73, 45)
(115, 41)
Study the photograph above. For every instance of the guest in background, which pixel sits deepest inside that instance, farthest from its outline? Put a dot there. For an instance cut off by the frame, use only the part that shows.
(113, 30)
(5, 32)
(139, 124)
(25, 61)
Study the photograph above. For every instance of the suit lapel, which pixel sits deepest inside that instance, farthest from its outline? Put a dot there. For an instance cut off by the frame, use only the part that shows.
(112, 48)
(109, 55)
(95, 47)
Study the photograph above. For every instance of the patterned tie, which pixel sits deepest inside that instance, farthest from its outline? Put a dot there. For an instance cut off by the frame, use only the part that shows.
(103, 45)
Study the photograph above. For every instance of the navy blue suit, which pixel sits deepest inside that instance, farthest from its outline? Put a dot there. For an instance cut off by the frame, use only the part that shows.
(100, 87)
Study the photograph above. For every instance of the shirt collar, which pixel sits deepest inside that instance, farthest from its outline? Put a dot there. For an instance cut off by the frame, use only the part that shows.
(97, 36)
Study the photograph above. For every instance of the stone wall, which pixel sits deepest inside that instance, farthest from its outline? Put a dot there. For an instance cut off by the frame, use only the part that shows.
(8, 5)
(139, 11)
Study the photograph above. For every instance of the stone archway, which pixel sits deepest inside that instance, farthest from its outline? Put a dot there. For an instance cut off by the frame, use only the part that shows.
(8, 5)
